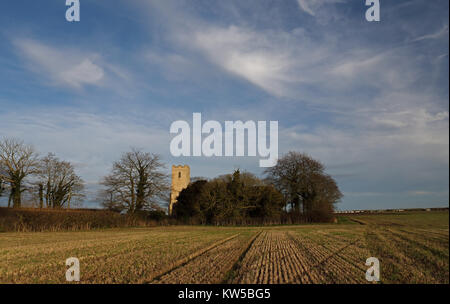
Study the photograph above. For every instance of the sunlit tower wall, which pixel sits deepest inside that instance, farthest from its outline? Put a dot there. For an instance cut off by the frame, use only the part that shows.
(181, 177)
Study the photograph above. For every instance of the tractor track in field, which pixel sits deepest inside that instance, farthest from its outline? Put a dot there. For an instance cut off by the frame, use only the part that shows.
(182, 262)
(324, 259)
(230, 275)
(311, 254)
(272, 258)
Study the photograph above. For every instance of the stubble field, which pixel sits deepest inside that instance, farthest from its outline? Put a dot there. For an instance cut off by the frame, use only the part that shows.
(411, 248)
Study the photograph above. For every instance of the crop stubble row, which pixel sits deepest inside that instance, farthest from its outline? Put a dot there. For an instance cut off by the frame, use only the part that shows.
(337, 255)
(128, 258)
(288, 257)
(276, 257)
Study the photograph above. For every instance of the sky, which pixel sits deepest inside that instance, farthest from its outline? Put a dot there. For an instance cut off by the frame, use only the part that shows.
(370, 100)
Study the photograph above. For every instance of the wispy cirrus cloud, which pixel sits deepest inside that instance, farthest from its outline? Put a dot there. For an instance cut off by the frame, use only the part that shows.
(247, 54)
(311, 6)
(62, 67)
(371, 96)
(74, 68)
(439, 34)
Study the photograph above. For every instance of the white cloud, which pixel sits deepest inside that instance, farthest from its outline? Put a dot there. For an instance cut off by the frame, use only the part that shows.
(272, 60)
(244, 53)
(311, 6)
(290, 64)
(296, 64)
(441, 33)
(354, 67)
(62, 66)
(84, 73)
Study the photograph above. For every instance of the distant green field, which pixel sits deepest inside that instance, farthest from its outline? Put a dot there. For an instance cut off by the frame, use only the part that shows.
(435, 219)
(412, 247)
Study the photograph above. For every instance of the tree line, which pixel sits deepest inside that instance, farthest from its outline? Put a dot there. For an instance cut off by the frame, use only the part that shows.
(234, 197)
(136, 182)
(297, 187)
(50, 181)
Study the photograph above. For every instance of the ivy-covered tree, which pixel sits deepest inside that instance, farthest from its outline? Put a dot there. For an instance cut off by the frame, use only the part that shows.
(2, 187)
(235, 197)
(17, 162)
(58, 184)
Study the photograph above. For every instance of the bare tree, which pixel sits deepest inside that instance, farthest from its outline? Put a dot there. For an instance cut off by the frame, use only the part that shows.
(17, 162)
(110, 200)
(136, 182)
(58, 185)
(303, 182)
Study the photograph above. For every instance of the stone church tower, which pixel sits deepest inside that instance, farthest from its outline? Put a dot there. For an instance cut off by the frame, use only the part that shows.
(181, 177)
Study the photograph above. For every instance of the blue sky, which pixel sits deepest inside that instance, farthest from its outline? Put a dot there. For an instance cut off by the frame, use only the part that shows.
(368, 99)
